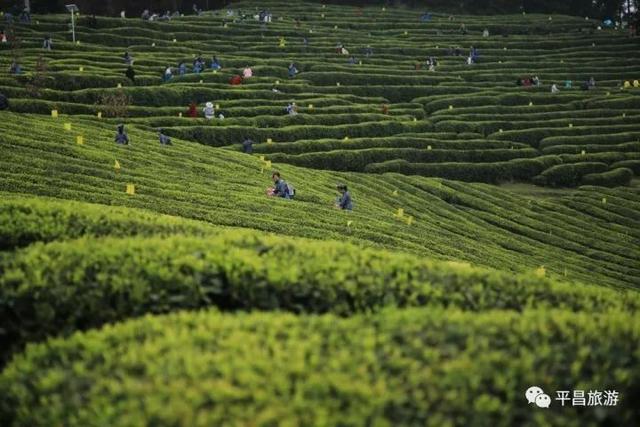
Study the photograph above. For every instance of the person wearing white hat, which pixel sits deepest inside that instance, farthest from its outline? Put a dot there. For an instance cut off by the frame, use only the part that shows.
(209, 112)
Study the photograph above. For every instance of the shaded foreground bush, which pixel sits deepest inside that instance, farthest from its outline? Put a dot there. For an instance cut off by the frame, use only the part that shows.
(62, 287)
(409, 367)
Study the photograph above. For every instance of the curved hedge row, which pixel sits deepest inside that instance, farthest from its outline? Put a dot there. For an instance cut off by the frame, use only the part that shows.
(221, 136)
(613, 178)
(568, 175)
(61, 287)
(513, 170)
(357, 160)
(25, 220)
(409, 367)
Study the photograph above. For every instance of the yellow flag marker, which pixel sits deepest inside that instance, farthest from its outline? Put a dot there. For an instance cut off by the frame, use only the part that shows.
(604, 200)
(215, 71)
(174, 40)
(428, 147)
(67, 126)
(201, 81)
(322, 15)
(269, 141)
(99, 114)
(337, 83)
(583, 152)
(505, 48)
(324, 6)
(217, 106)
(346, 138)
(277, 82)
(78, 42)
(349, 223)
(406, 33)
(180, 114)
(54, 114)
(400, 213)
(267, 164)
(530, 104)
(624, 115)
(261, 158)
(310, 106)
(80, 140)
(119, 85)
(500, 130)
(360, 62)
(153, 45)
(116, 165)
(395, 192)
(384, 9)
(81, 69)
(335, 27)
(450, 107)
(570, 125)
(131, 189)
(409, 220)
(541, 271)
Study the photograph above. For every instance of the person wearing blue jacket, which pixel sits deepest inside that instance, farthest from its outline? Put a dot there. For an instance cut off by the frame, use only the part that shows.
(344, 199)
(280, 187)
(121, 137)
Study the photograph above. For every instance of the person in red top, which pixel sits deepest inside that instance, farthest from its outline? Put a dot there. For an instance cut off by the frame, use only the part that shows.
(193, 110)
(235, 80)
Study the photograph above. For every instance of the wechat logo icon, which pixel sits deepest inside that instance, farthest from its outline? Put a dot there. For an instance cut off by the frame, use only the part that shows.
(536, 395)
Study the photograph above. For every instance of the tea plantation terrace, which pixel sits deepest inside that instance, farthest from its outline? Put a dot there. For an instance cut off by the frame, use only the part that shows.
(464, 122)
(494, 241)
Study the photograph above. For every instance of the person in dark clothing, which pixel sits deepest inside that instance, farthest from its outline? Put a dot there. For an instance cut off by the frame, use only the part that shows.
(121, 137)
(4, 102)
(343, 201)
(164, 139)
(131, 74)
(247, 145)
(15, 68)
(128, 59)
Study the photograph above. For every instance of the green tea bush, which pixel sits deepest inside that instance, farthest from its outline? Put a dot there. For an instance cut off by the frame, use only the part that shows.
(512, 170)
(350, 160)
(568, 175)
(24, 221)
(612, 178)
(634, 165)
(427, 367)
(61, 287)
